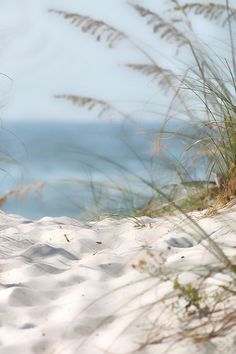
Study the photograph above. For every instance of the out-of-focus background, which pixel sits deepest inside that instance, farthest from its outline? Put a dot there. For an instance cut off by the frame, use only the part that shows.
(45, 55)
(53, 151)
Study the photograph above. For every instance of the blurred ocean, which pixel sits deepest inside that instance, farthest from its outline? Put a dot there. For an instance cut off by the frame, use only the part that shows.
(70, 158)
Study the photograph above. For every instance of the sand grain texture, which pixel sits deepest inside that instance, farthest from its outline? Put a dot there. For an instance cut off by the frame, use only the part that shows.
(68, 287)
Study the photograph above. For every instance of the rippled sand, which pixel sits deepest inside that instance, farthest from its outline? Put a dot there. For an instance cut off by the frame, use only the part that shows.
(107, 287)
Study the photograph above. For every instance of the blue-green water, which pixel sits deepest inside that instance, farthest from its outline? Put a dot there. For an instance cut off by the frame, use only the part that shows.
(70, 158)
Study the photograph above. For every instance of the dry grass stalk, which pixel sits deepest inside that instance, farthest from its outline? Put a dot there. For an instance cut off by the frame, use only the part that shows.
(90, 103)
(99, 29)
(23, 191)
(165, 78)
(166, 30)
(104, 109)
(211, 11)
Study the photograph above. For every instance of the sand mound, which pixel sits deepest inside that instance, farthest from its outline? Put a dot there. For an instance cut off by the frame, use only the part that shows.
(106, 287)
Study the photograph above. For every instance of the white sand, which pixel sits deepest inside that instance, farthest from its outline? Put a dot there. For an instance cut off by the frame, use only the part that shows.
(69, 287)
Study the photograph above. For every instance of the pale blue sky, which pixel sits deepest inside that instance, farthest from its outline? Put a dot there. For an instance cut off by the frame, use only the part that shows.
(45, 56)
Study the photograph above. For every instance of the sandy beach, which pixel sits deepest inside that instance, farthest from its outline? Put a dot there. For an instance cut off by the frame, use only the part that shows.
(108, 287)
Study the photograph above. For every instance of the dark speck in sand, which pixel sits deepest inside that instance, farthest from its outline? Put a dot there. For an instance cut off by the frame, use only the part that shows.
(28, 326)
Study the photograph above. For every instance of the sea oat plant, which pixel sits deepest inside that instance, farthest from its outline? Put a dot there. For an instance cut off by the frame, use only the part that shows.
(202, 92)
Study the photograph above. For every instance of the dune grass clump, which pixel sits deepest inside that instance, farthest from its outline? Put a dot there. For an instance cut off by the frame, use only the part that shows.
(202, 94)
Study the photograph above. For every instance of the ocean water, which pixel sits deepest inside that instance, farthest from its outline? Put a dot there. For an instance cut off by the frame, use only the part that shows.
(72, 168)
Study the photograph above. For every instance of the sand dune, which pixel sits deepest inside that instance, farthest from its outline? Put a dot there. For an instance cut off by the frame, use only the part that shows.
(108, 287)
